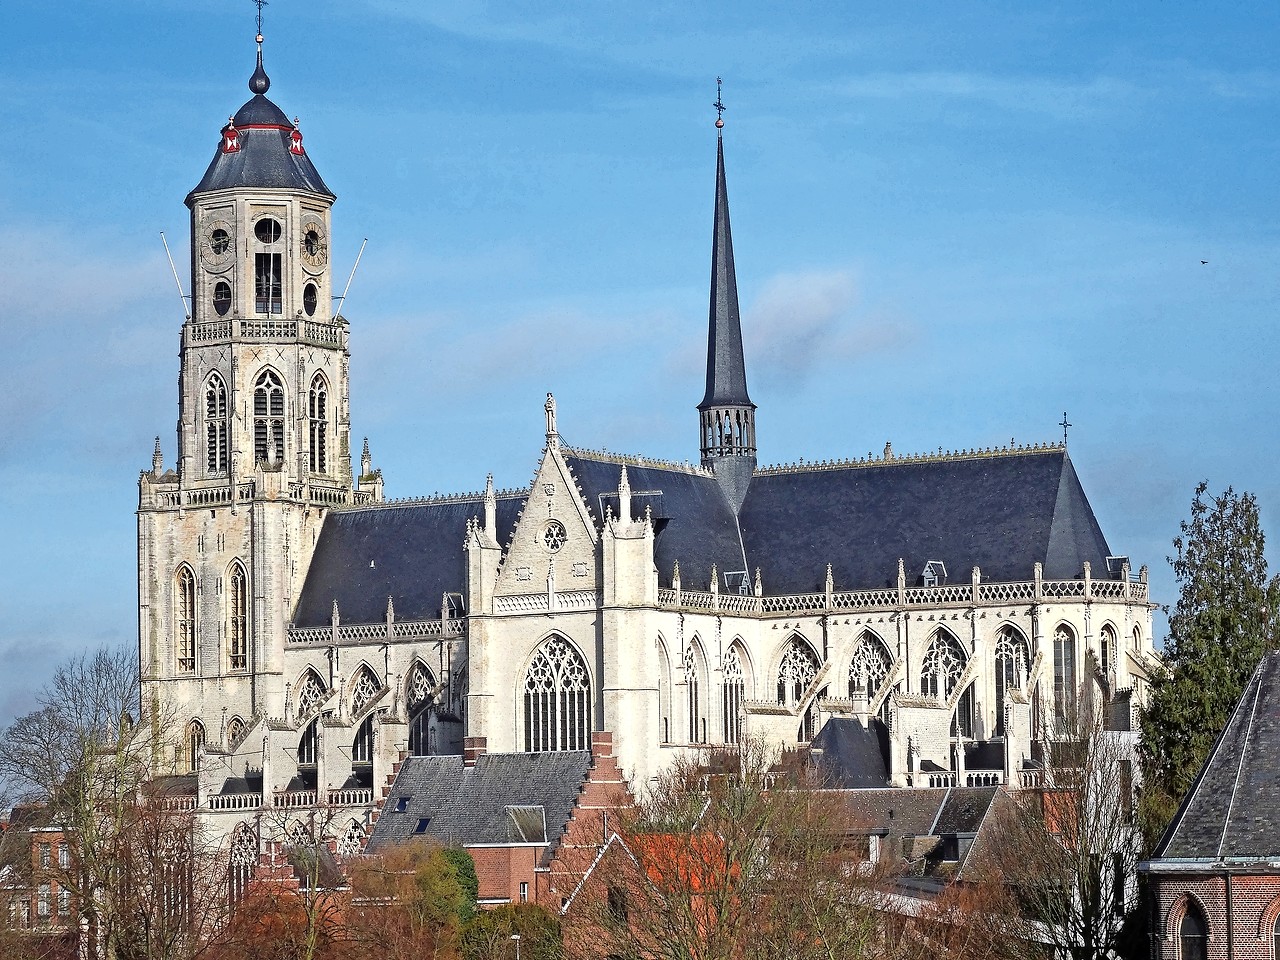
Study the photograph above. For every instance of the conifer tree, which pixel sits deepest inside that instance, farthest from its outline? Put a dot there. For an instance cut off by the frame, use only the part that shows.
(1224, 621)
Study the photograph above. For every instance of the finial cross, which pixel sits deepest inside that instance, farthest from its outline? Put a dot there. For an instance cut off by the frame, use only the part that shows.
(261, 4)
(719, 104)
(1065, 425)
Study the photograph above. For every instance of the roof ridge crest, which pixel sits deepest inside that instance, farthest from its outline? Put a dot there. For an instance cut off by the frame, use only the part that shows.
(941, 456)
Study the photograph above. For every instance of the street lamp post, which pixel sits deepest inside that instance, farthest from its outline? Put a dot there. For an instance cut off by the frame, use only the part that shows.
(516, 938)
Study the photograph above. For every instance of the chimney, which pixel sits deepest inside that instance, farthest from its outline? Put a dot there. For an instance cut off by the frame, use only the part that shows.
(473, 747)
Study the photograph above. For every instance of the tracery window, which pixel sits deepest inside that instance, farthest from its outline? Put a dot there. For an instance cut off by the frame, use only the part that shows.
(215, 424)
(363, 690)
(1193, 935)
(194, 745)
(692, 671)
(557, 699)
(310, 691)
(1107, 647)
(352, 840)
(243, 859)
(268, 417)
(1011, 669)
(1064, 678)
(235, 731)
(796, 671)
(238, 619)
(944, 664)
(184, 619)
(421, 701)
(869, 668)
(735, 685)
(318, 411)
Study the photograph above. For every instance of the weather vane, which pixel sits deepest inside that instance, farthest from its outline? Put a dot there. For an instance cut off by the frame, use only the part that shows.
(720, 107)
(261, 4)
(1065, 425)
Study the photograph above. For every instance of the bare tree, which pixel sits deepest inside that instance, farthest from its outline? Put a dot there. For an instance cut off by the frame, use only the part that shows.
(132, 859)
(1070, 849)
(741, 863)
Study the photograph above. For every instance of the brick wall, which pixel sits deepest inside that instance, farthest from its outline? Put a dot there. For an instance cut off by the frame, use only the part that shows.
(1255, 905)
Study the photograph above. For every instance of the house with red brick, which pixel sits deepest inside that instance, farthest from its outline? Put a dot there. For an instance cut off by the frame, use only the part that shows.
(1214, 879)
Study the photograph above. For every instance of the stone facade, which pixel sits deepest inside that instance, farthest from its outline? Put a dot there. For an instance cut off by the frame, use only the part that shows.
(568, 614)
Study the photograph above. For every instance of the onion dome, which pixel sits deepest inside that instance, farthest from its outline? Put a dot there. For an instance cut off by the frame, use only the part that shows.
(261, 147)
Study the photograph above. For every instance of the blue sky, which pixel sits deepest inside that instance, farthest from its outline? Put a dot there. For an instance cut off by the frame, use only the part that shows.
(952, 222)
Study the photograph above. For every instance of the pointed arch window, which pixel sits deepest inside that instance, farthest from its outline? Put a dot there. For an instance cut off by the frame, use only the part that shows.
(309, 744)
(363, 690)
(557, 699)
(194, 745)
(944, 664)
(184, 619)
(318, 413)
(311, 691)
(243, 860)
(735, 686)
(420, 696)
(693, 695)
(238, 619)
(268, 418)
(352, 841)
(235, 731)
(664, 692)
(869, 670)
(215, 424)
(796, 673)
(1107, 647)
(1064, 678)
(1012, 655)
(1193, 935)
(362, 745)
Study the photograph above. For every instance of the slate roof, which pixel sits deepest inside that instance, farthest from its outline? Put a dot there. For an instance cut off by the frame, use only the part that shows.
(410, 552)
(1230, 812)
(485, 804)
(1000, 512)
(694, 523)
(264, 158)
(853, 756)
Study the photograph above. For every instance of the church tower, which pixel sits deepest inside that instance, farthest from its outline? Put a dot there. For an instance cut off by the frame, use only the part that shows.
(727, 417)
(263, 435)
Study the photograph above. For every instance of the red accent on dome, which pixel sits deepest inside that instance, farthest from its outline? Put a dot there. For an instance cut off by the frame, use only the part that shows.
(295, 143)
(230, 139)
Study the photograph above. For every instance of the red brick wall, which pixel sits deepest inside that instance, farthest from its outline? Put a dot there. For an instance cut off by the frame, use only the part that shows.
(1255, 903)
(501, 870)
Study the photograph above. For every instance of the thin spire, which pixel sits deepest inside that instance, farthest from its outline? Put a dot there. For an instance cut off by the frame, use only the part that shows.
(259, 82)
(726, 370)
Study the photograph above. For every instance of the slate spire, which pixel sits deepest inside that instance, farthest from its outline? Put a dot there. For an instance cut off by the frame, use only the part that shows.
(726, 414)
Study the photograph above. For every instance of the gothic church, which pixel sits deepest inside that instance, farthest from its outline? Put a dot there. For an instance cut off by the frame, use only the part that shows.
(940, 618)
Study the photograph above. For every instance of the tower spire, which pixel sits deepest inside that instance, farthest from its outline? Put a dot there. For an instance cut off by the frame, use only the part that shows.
(259, 82)
(726, 413)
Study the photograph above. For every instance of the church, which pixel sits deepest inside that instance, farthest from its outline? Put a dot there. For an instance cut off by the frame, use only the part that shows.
(941, 617)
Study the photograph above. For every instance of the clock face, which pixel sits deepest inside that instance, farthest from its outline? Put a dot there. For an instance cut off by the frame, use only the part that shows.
(315, 245)
(217, 247)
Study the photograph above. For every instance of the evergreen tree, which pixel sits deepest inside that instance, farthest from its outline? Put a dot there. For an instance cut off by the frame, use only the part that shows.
(1224, 621)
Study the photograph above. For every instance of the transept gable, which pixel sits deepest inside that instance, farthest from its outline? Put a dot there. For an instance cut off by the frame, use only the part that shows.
(554, 543)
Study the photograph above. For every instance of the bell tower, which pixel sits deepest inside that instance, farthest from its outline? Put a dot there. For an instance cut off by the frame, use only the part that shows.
(726, 415)
(263, 452)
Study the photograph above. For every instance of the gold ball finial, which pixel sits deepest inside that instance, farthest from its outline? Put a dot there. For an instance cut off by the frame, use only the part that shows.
(719, 124)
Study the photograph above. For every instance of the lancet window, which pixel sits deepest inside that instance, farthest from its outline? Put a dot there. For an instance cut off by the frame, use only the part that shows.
(318, 412)
(268, 418)
(869, 668)
(1193, 935)
(235, 731)
(693, 692)
(238, 619)
(215, 424)
(184, 619)
(1064, 678)
(243, 861)
(557, 699)
(1107, 647)
(664, 691)
(195, 745)
(420, 697)
(735, 685)
(1011, 669)
(362, 745)
(309, 744)
(944, 664)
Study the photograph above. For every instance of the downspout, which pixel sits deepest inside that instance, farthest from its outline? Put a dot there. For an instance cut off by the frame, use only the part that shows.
(1231, 927)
